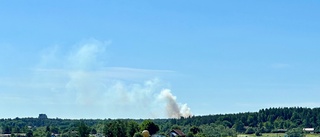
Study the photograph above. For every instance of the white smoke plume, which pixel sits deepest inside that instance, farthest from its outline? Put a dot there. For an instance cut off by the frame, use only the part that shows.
(88, 83)
(173, 108)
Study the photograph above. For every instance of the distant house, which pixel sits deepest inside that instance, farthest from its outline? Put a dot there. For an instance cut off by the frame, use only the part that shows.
(176, 133)
(310, 130)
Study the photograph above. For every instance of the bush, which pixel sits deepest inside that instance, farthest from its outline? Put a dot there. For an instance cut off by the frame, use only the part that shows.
(258, 133)
(137, 135)
(295, 132)
(250, 130)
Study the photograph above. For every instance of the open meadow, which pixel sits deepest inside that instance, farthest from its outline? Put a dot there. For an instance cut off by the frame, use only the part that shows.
(275, 135)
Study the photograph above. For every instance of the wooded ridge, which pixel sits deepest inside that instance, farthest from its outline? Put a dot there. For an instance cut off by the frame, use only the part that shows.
(270, 120)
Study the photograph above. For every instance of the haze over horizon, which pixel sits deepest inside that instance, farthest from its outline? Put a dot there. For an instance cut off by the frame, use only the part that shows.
(157, 59)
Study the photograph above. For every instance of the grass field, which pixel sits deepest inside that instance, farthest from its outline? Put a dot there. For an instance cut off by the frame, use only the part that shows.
(263, 135)
(275, 135)
(313, 135)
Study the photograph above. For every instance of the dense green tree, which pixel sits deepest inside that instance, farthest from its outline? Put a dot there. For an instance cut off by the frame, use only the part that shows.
(213, 130)
(268, 127)
(208, 130)
(132, 128)
(108, 130)
(29, 133)
(252, 120)
(295, 132)
(150, 126)
(250, 130)
(278, 123)
(239, 127)
(190, 134)
(47, 129)
(48, 134)
(41, 132)
(204, 135)
(227, 123)
(137, 135)
(6, 129)
(176, 127)
(115, 128)
(195, 130)
(258, 133)
(265, 120)
(54, 129)
(15, 129)
(83, 129)
(93, 131)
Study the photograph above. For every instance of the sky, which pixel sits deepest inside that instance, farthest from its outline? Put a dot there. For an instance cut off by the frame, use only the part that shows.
(157, 59)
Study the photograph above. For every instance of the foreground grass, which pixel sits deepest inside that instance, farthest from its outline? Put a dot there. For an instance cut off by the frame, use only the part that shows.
(313, 135)
(263, 135)
(275, 135)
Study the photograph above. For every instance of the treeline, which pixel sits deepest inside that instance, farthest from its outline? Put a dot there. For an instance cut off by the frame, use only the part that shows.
(264, 121)
(272, 118)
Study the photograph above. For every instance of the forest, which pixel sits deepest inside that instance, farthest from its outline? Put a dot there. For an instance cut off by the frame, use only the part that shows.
(271, 120)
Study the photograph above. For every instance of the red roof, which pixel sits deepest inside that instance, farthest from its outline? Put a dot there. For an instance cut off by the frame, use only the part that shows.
(178, 132)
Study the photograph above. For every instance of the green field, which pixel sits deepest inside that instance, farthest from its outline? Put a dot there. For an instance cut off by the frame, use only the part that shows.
(313, 135)
(263, 135)
(275, 135)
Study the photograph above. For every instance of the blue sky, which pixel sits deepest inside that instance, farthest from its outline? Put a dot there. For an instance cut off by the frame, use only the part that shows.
(131, 59)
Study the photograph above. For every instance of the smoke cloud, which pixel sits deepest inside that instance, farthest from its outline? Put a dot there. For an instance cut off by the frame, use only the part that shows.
(83, 80)
(173, 108)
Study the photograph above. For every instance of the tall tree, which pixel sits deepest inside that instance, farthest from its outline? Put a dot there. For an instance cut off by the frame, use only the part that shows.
(29, 133)
(115, 128)
(83, 129)
(295, 132)
(150, 126)
(132, 128)
(239, 127)
(194, 130)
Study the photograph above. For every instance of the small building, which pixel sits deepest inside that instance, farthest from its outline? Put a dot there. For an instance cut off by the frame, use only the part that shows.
(309, 130)
(176, 133)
